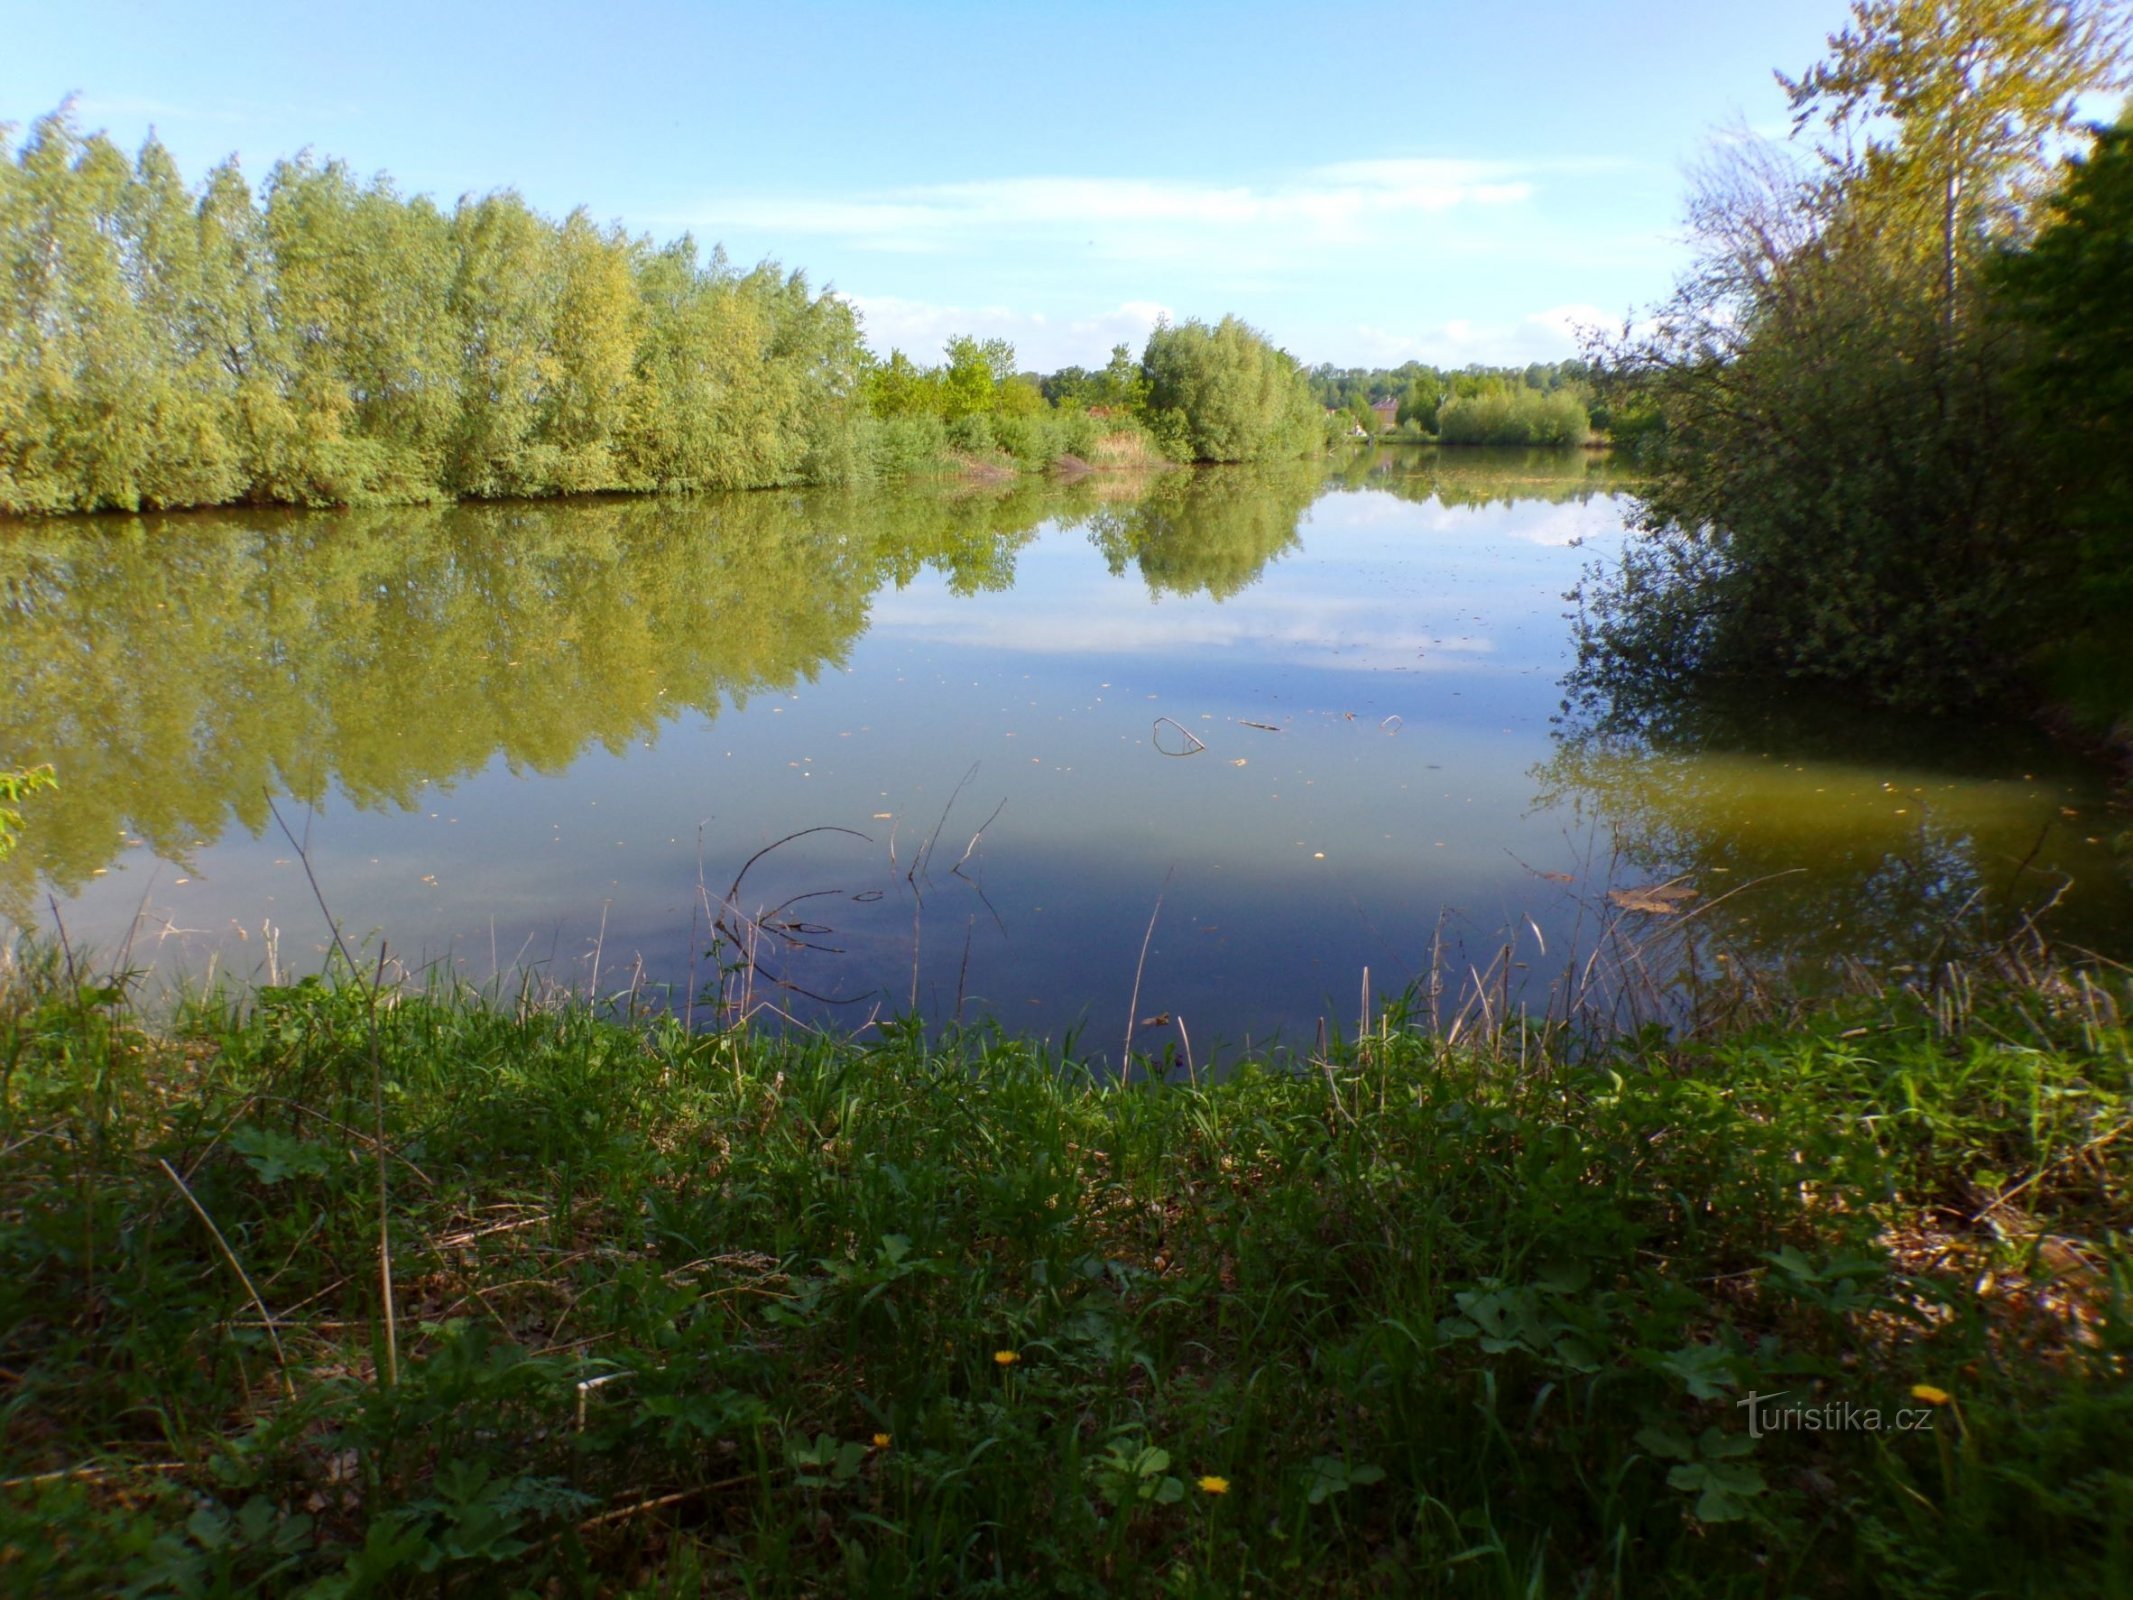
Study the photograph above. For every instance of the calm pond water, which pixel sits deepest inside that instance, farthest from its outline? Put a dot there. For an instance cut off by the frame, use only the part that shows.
(1319, 716)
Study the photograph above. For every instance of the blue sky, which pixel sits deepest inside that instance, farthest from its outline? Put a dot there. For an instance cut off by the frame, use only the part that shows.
(1366, 184)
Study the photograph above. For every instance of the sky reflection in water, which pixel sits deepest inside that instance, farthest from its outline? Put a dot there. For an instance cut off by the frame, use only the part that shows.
(514, 733)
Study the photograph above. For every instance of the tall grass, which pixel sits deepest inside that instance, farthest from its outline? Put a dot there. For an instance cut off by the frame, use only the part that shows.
(738, 1312)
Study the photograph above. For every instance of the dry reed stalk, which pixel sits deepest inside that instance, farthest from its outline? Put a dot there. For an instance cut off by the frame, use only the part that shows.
(385, 1244)
(1133, 1006)
(281, 1358)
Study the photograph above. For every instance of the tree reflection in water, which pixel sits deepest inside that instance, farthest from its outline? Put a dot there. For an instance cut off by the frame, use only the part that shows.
(1928, 848)
(177, 671)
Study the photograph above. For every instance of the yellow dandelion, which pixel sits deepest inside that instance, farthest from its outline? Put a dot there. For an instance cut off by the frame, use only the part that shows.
(1005, 1358)
(1929, 1394)
(881, 1441)
(1214, 1485)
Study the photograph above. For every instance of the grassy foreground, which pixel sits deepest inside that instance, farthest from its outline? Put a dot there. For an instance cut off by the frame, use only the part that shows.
(742, 1314)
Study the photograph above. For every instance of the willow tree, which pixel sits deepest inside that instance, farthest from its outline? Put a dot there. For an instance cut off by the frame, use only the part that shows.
(238, 326)
(363, 283)
(503, 303)
(77, 398)
(187, 394)
(1228, 395)
(585, 405)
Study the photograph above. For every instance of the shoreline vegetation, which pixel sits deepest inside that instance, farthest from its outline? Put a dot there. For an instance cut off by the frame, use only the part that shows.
(328, 341)
(1882, 428)
(340, 1289)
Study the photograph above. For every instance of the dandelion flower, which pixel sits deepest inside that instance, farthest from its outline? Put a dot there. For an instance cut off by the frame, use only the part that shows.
(1005, 1358)
(881, 1441)
(1214, 1485)
(1929, 1394)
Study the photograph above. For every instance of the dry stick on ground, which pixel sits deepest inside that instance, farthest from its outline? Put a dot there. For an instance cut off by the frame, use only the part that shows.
(1133, 1006)
(281, 1358)
(660, 1502)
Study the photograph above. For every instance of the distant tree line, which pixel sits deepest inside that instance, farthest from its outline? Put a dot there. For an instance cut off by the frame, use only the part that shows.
(332, 341)
(1885, 426)
(1199, 392)
(328, 340)
(1546, 403)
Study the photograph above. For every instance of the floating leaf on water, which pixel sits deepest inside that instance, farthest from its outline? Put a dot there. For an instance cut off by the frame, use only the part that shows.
(1659, 899)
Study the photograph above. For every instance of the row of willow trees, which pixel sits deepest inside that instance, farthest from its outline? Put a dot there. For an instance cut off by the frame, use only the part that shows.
(1886, 422)
(332, 341)
(328, 341)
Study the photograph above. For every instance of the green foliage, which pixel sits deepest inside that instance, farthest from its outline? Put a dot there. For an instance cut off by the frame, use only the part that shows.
(976, 407)
(1223, 393)
(720, 1312)
(1209, 532)
(15, 787)
(2071, 296)
(334, 342)
(1947, 109)
(1419, 403)
(1502, 415)
(1419, 390)
(1841, 485)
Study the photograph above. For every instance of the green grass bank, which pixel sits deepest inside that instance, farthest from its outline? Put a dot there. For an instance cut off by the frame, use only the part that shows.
(739, 1313)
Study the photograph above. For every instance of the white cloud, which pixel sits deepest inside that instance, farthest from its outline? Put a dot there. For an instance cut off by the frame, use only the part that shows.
(1301, 629)
(1042, 343)
(1135, 218)
(1553, 334)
